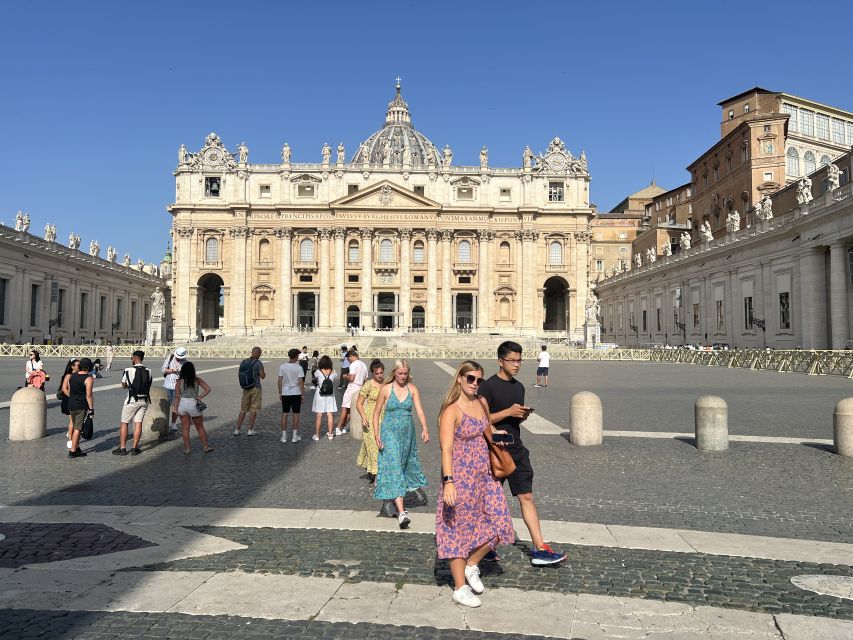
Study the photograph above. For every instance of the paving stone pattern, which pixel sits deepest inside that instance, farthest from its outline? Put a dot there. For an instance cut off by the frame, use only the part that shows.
(98, 625)
(697, 579)
(32, 543)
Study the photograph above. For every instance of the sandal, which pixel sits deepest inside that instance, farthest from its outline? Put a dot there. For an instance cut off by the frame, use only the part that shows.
(187, 452)
(208, 449)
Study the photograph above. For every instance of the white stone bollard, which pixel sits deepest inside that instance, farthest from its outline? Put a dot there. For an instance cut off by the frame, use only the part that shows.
(155, 424)
(355, 421)
(712, 424)
(842, 427)
(28, 414)
(586, 418)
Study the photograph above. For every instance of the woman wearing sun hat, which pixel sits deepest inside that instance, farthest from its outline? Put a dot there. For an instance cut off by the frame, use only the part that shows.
(171, 369)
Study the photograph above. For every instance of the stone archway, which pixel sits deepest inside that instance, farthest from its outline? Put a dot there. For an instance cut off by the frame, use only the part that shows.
(210, 301)
(556, 302)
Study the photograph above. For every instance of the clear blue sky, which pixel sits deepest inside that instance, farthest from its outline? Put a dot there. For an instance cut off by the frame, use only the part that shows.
(97, 97)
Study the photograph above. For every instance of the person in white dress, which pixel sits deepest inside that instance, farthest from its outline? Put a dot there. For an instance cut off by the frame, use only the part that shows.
(324, 397)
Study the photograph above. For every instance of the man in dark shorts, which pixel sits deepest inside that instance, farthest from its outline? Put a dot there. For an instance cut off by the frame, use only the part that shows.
(505, 397)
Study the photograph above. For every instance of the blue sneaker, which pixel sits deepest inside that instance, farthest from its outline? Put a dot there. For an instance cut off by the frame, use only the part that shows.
(491, 556)
(545, 556)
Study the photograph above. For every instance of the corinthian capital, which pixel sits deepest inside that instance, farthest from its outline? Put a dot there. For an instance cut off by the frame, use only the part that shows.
(529, 235)
(284, 232)
(324, 233)
(366, 233)
(583, 236)
(432, 234)
(446, 235)
(405, 233)
(485, 235)
(184, 232)
(340, 233)
(240, 232)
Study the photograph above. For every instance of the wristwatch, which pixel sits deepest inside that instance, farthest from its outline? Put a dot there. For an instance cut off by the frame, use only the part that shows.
(446, 479)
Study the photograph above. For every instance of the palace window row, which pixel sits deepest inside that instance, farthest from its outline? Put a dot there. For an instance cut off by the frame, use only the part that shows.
(818, 125)
(809, 164)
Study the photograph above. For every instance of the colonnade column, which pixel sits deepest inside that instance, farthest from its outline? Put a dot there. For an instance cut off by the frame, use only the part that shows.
(285, 267)
(405, 299)
(813, 298)
(484, 319)
(367, 319)
(339, 317)
(838, 295)
(240, 237)
(447, 319)
(432, 280)
(182, 266)
(325, 237)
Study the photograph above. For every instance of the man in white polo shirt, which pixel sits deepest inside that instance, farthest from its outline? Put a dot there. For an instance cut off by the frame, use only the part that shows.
(543, 366)
(356, 377)
(170, 369)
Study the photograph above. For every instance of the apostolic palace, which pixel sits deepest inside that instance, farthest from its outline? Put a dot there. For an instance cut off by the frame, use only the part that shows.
(397, 238)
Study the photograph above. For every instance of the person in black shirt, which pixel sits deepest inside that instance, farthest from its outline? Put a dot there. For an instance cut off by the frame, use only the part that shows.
(505, 396)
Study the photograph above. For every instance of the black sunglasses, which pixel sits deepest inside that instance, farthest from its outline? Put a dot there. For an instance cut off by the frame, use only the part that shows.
(472, 379)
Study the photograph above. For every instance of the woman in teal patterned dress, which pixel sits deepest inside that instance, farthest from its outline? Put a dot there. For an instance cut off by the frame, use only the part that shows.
(399, 466)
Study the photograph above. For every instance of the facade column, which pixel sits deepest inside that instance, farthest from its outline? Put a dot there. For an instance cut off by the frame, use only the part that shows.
(528, 272)
(285, 267)
(240, 237)
(484, 276)
(294, 311)
(813, 298)
(838, 295)
(182, 266)
(432, 281)
(316, 307)
(367, 320)
(517, 261)
(446, 283)
(395, 321)
(325, 281)
(404, 302)
(577, 315)
(339, 317)
(475, 313)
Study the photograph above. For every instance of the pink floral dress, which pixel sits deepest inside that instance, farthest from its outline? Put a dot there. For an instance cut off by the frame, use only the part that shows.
(481, 513)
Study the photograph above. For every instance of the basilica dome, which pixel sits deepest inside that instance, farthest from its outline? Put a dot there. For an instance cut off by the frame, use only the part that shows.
(398, 143)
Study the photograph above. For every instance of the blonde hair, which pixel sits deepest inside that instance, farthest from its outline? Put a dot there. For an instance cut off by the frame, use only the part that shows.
(454, 390)
(399, 364)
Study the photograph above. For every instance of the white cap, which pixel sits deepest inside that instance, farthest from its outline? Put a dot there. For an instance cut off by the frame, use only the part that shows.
(181, 353)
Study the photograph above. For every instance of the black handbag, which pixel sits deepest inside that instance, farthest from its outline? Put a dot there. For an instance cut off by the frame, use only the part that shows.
(87, 431)
(200, 406)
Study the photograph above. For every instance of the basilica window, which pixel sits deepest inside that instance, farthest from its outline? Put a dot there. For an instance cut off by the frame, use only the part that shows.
(506, 195)
(555, 253)
(824, 160)
(211, 187)
(305, 191)
(211, 250)
(809, 163)
(463, 251)
(504, 308)
(464, 193)
(419, 189)
(353, 254)
(792, 162)
(386, 251)
(555, 191)
(419, 279)
(503, 253)
(747, 313)
(263, 307)
(265, 191)
(306, 250)
(264, 254)
(352, 188)
(418, 252)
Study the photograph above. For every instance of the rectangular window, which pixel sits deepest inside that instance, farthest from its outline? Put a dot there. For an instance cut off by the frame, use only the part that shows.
(746, 108)
(352, 188)
(731, 114)
(721, 316)
(419, 279)
(747, 313)
(352, 277)
(464, 279)
(599, 265)
(598, 250)
(506, 195)
(419, 189)
(791, 110)
(305, 191)
(838, 130)
(102, 313)
(211, 187)
(807, 122)
(306, 278)
(623, 249)
(265, 191)
(657, 315)
(464, 193)
(644, 321)
(60, 308)
(555, 191)
(768, 176)
(785, 310)
(822, 127)
(119, 307)
(84, 299)
(766, 128)
(34, 304)
(4, 283)
(850, 133)
(133, 315)
(696, 318)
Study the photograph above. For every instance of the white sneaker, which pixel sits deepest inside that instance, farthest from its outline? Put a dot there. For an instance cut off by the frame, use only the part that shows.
(173, 429)
(250, 432)
(466, 597)
(472, 577)
(315, 438)
(283, 436)
(68, 444)
(296, 437)
(404, 520)
(343, 431)
(331, 437)
(236, 432)
(337, 431)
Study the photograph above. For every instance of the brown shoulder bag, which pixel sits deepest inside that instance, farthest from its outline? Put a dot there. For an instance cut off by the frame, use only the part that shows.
(499, 458)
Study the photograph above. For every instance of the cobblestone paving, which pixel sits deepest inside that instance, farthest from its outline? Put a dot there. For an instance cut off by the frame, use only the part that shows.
(98, 625)
(697, 579)
(31, 543)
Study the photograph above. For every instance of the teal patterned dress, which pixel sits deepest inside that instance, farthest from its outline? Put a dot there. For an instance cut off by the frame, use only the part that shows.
(399, 466)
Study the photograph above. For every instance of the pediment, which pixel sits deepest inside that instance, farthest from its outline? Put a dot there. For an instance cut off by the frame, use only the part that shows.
(385, 195)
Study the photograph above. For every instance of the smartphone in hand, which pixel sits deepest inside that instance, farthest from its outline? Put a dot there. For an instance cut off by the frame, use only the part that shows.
(506, 438)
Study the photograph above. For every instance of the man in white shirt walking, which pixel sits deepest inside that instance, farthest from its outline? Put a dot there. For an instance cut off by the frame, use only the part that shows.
(137, 381)
(544, 359)
(171, 369)
(291, 388)
(356, 376)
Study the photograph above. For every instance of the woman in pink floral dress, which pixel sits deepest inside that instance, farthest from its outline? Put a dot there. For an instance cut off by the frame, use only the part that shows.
(472, 516)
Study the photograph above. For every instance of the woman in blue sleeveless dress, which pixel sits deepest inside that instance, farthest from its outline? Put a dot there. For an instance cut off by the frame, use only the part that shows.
(399, 469)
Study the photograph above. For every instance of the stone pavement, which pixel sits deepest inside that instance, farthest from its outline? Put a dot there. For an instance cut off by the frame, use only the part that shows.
(264, 539)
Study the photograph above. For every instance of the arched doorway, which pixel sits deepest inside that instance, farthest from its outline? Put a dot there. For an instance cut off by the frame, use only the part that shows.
(386, 311)
(211, 309)
(464, 320)
(353, 316)
(418, 318)
(556, 300)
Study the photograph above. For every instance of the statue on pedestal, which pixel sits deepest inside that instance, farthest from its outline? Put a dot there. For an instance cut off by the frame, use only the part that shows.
(593, 309)
(50, 232)
(140, 264)
(285, 154)
(733, 221)
(686, 241)
(25, 223)
(667, 250)
(19, 221)
(111, 254)
(638, 260)
(73, 241)
(651, 255)
(158, 304)
(182, 156)
(327, 153)
(365, 153)
(125, 261)
(705, 232)
(484, 157)
(448, 156)
(833, 177)
(243, 153)
(527, 158)
(766, 208)
(94, 248)
(341, 153)
(804, 190)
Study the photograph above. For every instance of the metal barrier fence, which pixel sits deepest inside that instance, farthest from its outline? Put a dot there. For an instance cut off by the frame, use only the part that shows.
(809, 362)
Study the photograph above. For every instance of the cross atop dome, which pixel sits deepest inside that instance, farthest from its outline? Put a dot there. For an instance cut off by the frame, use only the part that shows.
(398, 110)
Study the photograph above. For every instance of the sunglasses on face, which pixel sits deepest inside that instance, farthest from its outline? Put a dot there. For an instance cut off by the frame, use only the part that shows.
(472, 379)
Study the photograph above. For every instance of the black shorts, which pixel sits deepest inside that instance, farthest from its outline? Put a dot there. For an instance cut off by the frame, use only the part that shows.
(541, 371)
(521, 480)
(291, 403)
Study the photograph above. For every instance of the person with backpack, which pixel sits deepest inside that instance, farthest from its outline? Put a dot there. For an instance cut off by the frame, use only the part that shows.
(70, 368)
(315, 361)
(137, 381)
(170, 370)
(324, 397)
(249, 375)
(189, 391)
(81, 402)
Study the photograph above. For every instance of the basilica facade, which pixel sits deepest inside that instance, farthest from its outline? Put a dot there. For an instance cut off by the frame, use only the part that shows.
(396, 238)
